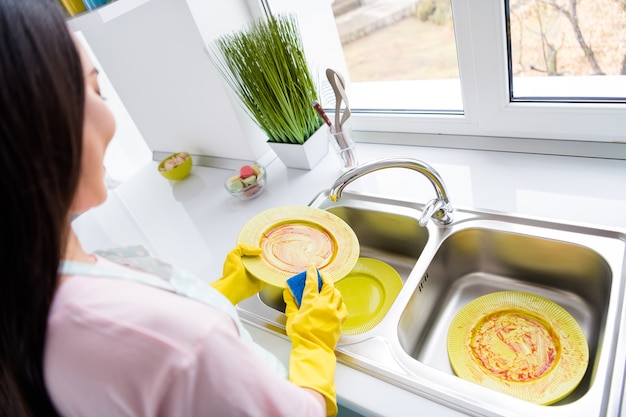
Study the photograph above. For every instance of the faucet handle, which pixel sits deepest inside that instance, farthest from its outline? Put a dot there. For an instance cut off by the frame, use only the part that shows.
(438, 210)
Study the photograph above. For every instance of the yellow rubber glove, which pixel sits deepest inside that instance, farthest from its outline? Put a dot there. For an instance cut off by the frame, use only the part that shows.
(314, 330)
(237, 283)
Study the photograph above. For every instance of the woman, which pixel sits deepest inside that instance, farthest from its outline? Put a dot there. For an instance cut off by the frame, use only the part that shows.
(82, 335)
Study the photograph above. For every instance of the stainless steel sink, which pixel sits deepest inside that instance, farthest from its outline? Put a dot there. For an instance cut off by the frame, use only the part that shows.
(480, 260)
(443, 267)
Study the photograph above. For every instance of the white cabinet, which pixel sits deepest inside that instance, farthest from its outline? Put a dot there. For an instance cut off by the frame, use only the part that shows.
(153, 53)
(103, 14)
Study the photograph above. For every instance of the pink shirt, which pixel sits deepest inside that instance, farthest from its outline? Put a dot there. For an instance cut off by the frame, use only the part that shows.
(121, 348)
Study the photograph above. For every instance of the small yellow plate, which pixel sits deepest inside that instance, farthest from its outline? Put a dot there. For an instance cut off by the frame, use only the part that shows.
(292, 237)
(368, 292)
(520, 344)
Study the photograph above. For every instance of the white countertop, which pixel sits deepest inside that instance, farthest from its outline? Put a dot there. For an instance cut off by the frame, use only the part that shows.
(195, 222)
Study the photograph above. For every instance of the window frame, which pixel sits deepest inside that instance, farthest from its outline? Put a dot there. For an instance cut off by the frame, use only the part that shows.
(603, 122)
(488, 111)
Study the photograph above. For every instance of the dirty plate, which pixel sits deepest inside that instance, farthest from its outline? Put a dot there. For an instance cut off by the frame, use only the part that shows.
(368, 292)
(518, 343)
(293, 237)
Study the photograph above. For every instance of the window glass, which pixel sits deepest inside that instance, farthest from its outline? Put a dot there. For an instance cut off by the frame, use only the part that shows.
(567, 50)
(401, 55)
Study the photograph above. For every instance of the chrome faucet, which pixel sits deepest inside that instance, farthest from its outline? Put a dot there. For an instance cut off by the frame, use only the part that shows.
(439, 209)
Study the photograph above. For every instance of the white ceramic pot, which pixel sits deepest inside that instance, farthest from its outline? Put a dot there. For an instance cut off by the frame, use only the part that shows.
(304, 156)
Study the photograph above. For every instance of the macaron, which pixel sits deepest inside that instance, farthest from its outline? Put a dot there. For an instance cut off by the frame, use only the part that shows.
(246, 171)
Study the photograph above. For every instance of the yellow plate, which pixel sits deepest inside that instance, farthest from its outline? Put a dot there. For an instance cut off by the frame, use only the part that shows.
(368, 291)
(518, 343)
(292, 237)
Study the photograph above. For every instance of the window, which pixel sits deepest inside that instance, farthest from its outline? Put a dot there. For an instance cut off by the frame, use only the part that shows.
(567, 50)
(405, 46)
(495, 93)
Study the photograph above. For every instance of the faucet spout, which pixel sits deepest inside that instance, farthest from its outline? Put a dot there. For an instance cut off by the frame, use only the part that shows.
(439, 209)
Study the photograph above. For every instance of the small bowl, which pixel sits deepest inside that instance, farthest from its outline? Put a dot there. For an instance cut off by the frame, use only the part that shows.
(248, 187)
(179, 171)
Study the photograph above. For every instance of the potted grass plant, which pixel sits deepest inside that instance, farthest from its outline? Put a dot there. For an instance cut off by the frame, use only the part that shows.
(266, 67)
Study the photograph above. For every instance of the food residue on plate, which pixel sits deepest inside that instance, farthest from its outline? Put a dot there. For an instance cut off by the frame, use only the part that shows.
(292, 247)
(515, 346)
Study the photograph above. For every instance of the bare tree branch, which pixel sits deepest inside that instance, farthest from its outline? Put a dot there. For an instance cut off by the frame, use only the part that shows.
(572, 16)
(549, 56)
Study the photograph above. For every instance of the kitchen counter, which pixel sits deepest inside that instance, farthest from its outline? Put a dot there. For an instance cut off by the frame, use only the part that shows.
(195, 222)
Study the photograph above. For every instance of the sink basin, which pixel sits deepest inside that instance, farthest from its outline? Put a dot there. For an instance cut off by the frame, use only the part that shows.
(443, 267)
(477, 261)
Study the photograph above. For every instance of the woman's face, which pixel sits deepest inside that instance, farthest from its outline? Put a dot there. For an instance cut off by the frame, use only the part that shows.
(98, 130)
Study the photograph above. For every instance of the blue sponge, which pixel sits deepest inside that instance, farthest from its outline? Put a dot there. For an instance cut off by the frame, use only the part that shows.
(296, 285)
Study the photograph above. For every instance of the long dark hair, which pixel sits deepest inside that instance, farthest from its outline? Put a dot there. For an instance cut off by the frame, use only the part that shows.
(41, 118)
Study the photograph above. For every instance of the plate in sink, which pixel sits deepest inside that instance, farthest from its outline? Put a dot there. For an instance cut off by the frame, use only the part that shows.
(293, 237)
(518, 343)
(368, 292)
